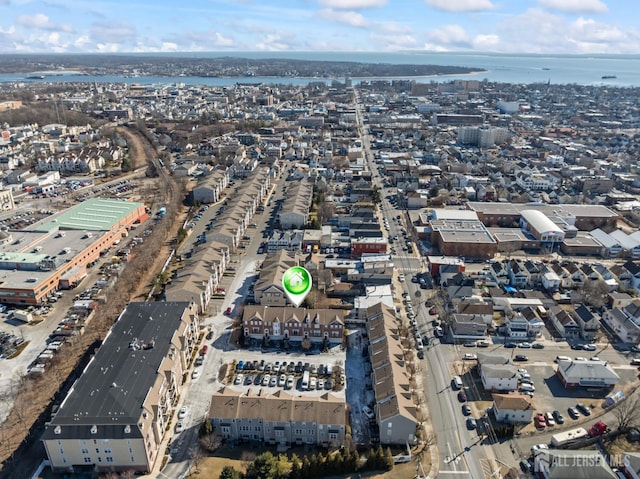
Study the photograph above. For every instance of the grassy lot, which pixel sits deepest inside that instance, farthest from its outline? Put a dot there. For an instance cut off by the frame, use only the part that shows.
(239, 458)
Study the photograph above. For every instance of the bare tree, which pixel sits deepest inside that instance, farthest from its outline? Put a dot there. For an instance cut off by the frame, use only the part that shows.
(210, 442)
(627, 414)
(196, 458)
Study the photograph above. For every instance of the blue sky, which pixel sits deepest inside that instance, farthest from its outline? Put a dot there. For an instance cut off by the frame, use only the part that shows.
(509, 26)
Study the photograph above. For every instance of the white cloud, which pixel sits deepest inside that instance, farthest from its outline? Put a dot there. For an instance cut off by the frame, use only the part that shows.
(486, 42)
(81, 42)
(449, 37)
(351, 18)
(394, 42)
(169, 47)
(39, 20)
(575, 6)
(106, 34)
(222, 41)
(277, 42)
(352, 4)
(461, 5)
(539, 31)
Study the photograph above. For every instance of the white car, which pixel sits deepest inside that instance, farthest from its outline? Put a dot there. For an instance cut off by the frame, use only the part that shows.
(179, 426)
(195, 374)
(401, 278)
(368, 412)
(320, 384)
(282, 380)
(290, 382)
(470, 356)
(182, 413)
(539, 447)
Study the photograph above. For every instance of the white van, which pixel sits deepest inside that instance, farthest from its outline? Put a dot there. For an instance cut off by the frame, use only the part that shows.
(457, 382)
(562, 358)
(527, 387)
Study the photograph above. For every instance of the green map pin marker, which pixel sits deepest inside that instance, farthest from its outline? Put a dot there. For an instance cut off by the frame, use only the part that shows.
(297, 284)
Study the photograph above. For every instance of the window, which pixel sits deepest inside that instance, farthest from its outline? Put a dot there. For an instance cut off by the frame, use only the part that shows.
(333, 435)
(107, 451)
(61, 452)
(256, 330)
(296, 332)
(87, 460)
(85, 450)
(298, 432)
(109, 459)
(279, 433)
(225, 429)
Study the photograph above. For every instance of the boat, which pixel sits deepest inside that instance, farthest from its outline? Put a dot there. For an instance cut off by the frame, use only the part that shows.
(608, 77)
(35, 77)
(546, 68)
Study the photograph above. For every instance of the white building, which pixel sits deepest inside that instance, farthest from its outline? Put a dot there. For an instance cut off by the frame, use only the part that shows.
(513, 408)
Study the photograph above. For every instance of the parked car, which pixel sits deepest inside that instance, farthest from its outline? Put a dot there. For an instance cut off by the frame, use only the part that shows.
(227, 311)
(273, 381)
(521, 357)
(557, 415)
(471, 423)
(550, 419)
(540, 421)
(179, 427)
(539, 447)
(195, 374)
(583, 408)
(462, 396)
(573, 413)
(537, 346)
(526, 466)
(466, 409)
(524, 345)
(470, 357)
(290, 382)
(182, 413)
(589, 347)
(368, 412)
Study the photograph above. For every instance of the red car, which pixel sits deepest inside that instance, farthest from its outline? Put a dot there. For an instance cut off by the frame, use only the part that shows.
(227, 311)
(540, 421)
(432, 311)
(204, 349)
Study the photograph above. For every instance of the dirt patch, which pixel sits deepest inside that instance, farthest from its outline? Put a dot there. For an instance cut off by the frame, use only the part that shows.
(19, 350)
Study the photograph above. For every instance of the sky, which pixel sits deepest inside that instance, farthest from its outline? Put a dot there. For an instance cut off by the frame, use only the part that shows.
(505, 26)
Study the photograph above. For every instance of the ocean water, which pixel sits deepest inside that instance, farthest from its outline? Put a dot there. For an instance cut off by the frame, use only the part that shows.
(523, 69)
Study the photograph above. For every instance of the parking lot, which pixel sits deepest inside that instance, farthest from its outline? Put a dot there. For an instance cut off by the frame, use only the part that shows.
(547, 391)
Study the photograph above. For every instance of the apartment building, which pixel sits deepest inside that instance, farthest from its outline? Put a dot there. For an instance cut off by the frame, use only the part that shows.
(117, 413)
(279, 418)
(296, 324)
(395, 408)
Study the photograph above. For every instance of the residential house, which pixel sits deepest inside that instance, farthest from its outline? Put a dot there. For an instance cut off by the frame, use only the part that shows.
(589, 322)
(564, 323)
(513, 408)
(625, 321)
(524, 324)
(279, 418)
(117, 414)
(285, 240)
(468, 327)
(497, 377)
(496, 372)
(294, 324)
(550, 279)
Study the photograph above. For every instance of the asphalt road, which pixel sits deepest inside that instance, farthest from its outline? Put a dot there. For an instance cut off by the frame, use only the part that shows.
(459, 451)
